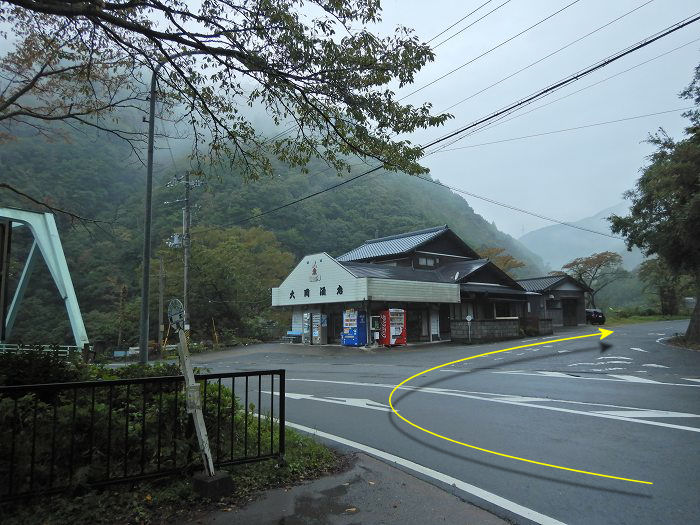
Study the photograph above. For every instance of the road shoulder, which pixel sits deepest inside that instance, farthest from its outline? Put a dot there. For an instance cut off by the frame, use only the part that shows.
(370, 492)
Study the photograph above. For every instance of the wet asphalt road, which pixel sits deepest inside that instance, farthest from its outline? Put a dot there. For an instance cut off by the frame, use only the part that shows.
(632, 411)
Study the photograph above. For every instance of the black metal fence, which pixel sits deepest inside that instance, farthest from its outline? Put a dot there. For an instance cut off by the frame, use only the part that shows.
(91, 433)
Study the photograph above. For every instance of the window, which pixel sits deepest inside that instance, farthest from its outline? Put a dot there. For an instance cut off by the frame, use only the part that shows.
(459, 312)
(426, 261)
(501, 309)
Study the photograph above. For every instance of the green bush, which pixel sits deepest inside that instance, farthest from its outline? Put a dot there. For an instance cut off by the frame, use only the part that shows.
(39, 367)
(146, 424)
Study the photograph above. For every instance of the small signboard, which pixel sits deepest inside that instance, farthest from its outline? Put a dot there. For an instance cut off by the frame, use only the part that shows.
(176, 314)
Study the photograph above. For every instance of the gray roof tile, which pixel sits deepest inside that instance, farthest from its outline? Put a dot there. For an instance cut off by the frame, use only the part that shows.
(392, 245)
(538, 284)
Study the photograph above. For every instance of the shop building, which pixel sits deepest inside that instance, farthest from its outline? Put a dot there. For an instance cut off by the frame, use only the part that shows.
(560, 298)
(444, 288)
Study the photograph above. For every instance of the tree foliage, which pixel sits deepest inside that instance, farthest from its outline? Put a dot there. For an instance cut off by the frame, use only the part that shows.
(665, 283)
(231, 273)
(303, 61)
(501, 258)
(665, 211)
(84, 175)
(596, 271)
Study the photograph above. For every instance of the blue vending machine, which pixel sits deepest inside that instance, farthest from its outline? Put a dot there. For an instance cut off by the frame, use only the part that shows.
(354, 328)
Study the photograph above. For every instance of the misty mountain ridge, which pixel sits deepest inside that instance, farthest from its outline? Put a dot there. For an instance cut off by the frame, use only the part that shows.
(559, 244)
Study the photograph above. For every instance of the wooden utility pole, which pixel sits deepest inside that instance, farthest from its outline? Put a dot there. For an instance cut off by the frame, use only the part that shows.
(186, 249)
(161, 289)
(122, 298)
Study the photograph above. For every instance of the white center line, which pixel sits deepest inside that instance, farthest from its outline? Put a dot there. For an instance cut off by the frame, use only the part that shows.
(639, 349)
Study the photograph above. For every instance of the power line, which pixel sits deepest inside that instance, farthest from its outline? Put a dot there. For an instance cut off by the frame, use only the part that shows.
(503, 119)
(507, 110)
(585, 126)
(490, 50)
(473, 23)
(571, 78)
(548, 56)
(604, 79)
(458, 21)
(296, 126)
(515, 208)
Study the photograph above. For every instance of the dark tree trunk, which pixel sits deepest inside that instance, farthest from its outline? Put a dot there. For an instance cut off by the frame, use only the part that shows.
(692, 335)
(668, 300)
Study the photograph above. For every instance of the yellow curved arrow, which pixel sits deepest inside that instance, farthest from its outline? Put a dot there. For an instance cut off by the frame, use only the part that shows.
(603, 334)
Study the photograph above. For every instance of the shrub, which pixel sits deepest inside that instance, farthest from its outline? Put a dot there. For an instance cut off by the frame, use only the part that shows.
(38, 367)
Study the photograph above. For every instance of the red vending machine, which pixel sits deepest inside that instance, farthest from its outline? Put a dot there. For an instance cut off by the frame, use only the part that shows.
(392, 327)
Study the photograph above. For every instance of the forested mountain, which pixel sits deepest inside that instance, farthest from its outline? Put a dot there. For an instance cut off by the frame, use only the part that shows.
(559, 244)
(98, 178)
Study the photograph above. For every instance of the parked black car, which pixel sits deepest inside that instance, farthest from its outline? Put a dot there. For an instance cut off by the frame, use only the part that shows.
(595, 316)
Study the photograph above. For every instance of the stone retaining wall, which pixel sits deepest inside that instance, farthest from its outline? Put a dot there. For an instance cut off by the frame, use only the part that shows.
(485, 330)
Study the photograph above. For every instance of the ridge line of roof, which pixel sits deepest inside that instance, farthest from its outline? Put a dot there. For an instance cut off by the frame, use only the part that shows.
(407, 234)
(543, 277)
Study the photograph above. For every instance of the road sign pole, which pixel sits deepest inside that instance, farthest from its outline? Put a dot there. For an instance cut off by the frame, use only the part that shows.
(176, 316)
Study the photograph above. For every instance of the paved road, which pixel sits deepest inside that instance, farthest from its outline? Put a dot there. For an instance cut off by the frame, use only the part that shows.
(632, 411)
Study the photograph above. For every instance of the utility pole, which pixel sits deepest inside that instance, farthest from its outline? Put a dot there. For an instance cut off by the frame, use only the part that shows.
(186, 250)
(161, 287)
(145, 282)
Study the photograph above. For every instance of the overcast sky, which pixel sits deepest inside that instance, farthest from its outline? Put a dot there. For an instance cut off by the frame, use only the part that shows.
(570, 175)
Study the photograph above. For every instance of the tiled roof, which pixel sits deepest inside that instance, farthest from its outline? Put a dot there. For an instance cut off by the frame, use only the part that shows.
(538, 284)
(445, 274)
(491, 288)
(385, 271)
(392, 245)
(460, 269)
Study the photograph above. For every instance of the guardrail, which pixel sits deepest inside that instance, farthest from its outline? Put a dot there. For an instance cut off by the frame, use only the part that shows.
(59, 350)
(92, 433)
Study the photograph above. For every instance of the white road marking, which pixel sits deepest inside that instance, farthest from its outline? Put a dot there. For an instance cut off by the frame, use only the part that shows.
(583, 364)
(615, 363)
(654, 365)
(495, 499)
(620, 378)
(646, 413)
(563, 351)
(547, 346)
(691, 379)
(614, 357)
(554, 374)
(634, 379)
(467, 395)
(639, 349)
(348, 401)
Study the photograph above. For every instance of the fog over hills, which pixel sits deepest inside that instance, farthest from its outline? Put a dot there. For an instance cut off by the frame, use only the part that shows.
(558, 244)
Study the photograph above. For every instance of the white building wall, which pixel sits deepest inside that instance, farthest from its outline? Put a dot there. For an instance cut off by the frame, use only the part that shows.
(412, 291)
(329, 275)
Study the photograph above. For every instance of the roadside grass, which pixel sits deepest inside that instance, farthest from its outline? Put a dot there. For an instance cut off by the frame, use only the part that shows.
(681, 341)
(172, 500)
(613, 320)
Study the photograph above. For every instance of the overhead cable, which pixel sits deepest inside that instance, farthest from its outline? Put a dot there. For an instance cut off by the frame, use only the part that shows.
(527, 100)
(548, 55)
(545, 133)
(473, 23)
(489, 50)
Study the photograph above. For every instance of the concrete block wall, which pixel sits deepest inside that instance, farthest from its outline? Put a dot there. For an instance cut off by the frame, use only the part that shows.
(485, 330)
